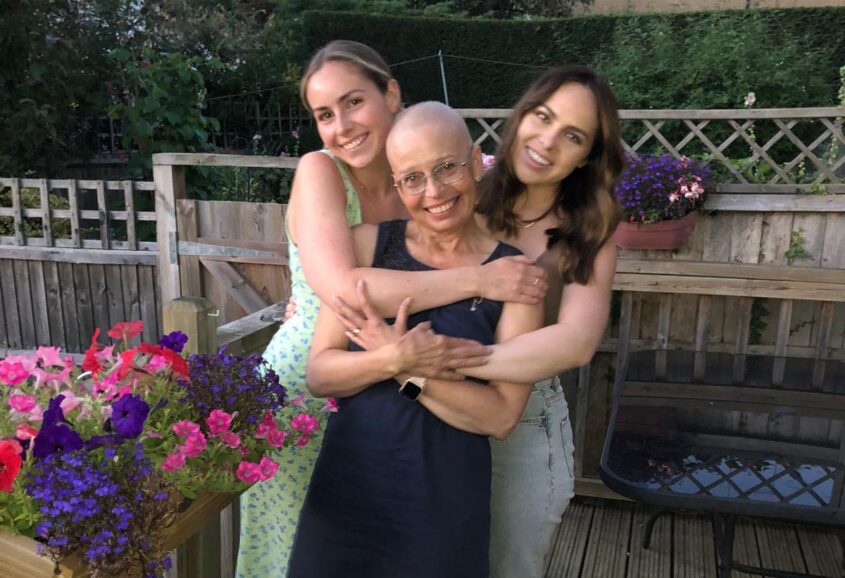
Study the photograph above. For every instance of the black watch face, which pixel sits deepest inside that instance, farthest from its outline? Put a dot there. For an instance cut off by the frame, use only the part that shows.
(411, 390)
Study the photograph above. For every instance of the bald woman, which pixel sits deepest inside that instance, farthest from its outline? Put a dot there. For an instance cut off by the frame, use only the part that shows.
(402, 483)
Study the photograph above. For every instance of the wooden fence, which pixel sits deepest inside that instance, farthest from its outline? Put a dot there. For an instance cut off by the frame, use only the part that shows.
(75, 255)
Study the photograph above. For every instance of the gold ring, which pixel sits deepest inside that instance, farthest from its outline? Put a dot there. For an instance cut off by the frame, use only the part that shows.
(356, 332)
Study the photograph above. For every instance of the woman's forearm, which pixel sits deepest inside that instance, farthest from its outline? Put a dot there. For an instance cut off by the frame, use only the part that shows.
(477, 408)
(427, 289)
(537, 355)
(340, 373)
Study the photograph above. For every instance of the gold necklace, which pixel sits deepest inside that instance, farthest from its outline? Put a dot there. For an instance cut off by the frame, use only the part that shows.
(525, 223)
(358, 184)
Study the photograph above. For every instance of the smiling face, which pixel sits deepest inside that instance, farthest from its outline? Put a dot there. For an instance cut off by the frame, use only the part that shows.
(353, 116)
(416, 150)
(555, 138)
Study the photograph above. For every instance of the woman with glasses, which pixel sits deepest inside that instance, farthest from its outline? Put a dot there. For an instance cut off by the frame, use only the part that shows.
(354, 98)
(402, 484)
(550, 194)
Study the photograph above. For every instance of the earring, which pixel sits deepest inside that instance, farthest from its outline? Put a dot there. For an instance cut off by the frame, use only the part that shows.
(478, 179)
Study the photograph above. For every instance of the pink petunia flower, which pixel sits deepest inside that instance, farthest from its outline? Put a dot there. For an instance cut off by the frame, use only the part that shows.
(268, 468)
(298, 401)
(231, 439)
(195, 444)
(173, 462)
(13, 372)
(54, 378)
(70, 402)
(218, 421)
(248, 472)
(330, 406)
(25, 432)
(305, 423)
(37, 414)
(185, 428)
(48, 356)
(276, 438)
(22, 403)
(303, 439)
(157, 364)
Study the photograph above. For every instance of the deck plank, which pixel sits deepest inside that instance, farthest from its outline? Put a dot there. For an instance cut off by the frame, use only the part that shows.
(568, 553)
(607, 549)
(822, 551)
(693, 542)
(602, 539)
(746, 550)
(656, 562)
(779, 547)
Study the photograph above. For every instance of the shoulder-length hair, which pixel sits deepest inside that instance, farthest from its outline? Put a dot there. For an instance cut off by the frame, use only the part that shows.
(585, 201)
(368, 62)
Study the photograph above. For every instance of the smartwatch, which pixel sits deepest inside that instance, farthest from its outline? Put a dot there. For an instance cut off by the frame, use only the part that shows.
(412, 387)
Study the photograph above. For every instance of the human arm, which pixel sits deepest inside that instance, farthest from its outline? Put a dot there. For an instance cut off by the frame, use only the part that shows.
(570, 342)
(317, 216)
(490, 409)
(335, 371)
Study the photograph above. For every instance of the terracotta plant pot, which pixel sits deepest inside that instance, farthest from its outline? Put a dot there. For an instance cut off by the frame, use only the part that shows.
(661, 235)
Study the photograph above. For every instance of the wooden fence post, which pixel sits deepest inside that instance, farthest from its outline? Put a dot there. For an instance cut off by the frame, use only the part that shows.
(169, 187)
(196, 317)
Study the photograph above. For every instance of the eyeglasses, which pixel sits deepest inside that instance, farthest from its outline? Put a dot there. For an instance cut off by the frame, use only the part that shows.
(443, 174)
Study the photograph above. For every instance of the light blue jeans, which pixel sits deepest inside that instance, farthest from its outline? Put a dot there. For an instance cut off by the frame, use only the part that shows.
(533, 482)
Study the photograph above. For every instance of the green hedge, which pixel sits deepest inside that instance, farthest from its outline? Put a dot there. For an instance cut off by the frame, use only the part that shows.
(470, 84)
(789, 57)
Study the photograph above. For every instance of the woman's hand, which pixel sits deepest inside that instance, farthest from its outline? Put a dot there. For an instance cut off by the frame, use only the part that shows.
(419, 351)
(513, 280)
(290, 310)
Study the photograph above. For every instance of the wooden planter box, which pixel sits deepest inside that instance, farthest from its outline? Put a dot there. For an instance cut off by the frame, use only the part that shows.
(19, 555)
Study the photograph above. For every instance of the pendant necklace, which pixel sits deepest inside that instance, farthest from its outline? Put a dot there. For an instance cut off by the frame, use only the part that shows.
(525, 223)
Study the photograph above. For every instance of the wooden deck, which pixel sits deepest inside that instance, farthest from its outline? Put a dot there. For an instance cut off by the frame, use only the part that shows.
(601, 539)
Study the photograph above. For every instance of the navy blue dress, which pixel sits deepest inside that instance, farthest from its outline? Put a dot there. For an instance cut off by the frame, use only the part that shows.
(396, 492)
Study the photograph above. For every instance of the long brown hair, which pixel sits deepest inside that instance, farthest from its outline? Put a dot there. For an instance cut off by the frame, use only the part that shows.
(585, 200)
(368, 62)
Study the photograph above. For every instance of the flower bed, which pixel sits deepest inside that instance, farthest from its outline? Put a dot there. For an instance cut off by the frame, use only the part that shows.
(95, 462)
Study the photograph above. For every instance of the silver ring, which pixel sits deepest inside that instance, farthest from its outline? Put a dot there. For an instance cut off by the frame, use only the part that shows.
(356, 332)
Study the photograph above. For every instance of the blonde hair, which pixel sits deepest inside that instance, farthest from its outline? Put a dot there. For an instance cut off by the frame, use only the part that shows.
(366, 60)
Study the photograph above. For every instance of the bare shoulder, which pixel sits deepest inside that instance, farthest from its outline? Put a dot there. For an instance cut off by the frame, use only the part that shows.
(316, 165)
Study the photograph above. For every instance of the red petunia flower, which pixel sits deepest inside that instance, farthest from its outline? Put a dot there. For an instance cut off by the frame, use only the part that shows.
(177, 363)
(126, 330)
(90, 361)
(10, 464)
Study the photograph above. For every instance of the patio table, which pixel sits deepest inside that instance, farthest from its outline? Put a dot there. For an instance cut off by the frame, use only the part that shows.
(771, 445)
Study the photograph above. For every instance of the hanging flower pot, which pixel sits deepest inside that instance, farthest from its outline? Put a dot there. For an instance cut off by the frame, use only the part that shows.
(661, 235)
(660, 196)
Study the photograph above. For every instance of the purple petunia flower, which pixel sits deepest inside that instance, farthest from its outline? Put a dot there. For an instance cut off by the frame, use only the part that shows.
(128, 416)
(174, 340)
(55, 439)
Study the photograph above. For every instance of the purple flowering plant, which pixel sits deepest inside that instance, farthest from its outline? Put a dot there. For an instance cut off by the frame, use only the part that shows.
(96, 460)
(660, 187)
